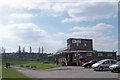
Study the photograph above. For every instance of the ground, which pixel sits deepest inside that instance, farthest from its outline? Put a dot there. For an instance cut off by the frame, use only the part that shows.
(67, 72)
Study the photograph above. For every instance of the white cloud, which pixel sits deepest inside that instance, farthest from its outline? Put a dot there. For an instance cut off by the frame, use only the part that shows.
(22, 15)
(98, 27)
(91, 11)
(77, 11)
(23, 30)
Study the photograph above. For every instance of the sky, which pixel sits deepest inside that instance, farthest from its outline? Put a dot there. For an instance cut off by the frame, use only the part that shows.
(50, 23)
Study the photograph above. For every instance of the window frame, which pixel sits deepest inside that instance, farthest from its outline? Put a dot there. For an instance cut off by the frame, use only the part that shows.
(109, 54)
(99, 54)
(88, 54)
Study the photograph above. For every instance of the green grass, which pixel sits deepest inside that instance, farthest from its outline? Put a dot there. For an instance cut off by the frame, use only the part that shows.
(41, 66)
(15, 62)
(12, 73)
(38, 64)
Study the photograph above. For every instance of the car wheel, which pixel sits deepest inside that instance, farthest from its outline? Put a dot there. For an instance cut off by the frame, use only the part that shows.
(112, 70)
(101, 68)
(119, 70)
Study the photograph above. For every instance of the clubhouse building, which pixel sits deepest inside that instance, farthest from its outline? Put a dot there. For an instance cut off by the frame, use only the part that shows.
(82, 49)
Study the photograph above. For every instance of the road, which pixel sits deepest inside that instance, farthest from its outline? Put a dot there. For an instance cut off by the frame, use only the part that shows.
(67, 72)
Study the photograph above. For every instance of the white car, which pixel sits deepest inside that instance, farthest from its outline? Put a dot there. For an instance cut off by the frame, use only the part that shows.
(115, 67)
(103, 64)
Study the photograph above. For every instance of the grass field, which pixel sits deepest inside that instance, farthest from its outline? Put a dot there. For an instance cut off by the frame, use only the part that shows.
(38, 64)
(12, 73)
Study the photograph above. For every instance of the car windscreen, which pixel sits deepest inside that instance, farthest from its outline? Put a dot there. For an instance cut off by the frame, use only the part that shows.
(101, 61)
(118, 63)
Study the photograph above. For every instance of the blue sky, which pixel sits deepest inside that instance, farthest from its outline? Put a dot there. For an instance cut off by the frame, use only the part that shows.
(49, 24)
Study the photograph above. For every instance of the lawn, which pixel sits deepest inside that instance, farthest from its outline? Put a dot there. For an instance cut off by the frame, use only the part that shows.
(12, 73)
(15, 62)
(38, 64)
(41, 65)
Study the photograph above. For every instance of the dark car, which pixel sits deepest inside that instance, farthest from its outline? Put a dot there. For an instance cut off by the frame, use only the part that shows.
(115, 67)
(89, 64)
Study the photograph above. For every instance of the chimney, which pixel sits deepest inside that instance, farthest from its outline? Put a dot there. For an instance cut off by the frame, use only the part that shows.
(39, 50)
(19, 50)
(42, 49)
(30, 49)
(3, 50)
(23, 49)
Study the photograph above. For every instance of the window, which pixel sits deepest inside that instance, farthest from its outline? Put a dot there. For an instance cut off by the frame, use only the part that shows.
(113, 62)
(77, 44)
(74, 41)
(109, 54)
(106, 62)
(75, 55)
(79, 41)
(85, 44)
(100, 54)
(89, 54)
(68, 46)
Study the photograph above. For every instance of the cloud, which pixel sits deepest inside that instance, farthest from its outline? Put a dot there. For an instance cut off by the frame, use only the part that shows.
(22, 15)
(25, 31)
(91, 11)
(77, 10)
(98, 27)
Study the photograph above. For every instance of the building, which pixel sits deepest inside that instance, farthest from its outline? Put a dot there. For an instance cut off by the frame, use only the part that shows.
(82, 49)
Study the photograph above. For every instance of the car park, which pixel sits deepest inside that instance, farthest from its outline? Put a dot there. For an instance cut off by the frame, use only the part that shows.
(89, 64)
(103, 64)
(115, 67)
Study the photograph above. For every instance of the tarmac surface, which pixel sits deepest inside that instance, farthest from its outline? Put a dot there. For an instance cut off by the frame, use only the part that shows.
(67, 72)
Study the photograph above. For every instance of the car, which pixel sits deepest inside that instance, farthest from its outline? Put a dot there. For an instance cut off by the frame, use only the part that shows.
(115, 67)
(103, 64)
(89, 64)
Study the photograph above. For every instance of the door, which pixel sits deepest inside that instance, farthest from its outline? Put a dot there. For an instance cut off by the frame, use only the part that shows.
(106, 64)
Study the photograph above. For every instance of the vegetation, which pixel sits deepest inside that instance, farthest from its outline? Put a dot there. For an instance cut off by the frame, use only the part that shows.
(41, 65)
(12, 73)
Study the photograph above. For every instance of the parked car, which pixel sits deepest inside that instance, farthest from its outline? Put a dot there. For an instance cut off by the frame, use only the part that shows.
(103, 64)
(89, 64)
(115, 67)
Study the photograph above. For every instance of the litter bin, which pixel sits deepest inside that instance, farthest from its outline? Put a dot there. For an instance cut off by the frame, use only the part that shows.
(7, 65)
